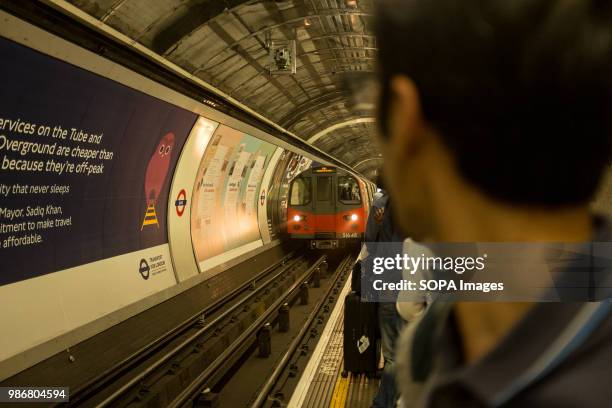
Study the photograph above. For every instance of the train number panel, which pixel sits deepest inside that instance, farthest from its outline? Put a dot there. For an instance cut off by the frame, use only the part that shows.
(327, 207)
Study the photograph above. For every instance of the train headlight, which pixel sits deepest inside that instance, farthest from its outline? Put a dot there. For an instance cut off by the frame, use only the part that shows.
(297, 218)
(354, 217)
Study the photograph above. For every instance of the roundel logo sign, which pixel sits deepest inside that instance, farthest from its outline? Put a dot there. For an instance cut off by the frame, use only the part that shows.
(144, 269)
(181, 203)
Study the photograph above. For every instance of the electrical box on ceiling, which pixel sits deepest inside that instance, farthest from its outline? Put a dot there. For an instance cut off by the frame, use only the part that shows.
(282, 55)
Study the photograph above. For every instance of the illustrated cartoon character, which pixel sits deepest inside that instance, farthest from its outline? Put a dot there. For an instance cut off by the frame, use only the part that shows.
(155, 177)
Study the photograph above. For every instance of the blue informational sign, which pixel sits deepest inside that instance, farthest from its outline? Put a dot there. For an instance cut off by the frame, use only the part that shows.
(85, 165)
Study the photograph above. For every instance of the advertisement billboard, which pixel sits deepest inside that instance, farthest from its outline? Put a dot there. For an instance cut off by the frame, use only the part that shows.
(226, 192)
(85, 166)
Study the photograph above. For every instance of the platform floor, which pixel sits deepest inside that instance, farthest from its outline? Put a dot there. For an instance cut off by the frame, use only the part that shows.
(322, 384)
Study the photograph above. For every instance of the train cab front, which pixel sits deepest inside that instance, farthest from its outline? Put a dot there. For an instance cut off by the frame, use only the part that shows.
(350, 224)
(326, 208)
(300, 224)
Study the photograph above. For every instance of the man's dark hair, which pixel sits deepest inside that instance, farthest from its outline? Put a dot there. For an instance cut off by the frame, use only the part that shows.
(519, 90)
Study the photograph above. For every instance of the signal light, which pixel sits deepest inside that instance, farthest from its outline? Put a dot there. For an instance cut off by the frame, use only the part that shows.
(354, 217)
(297, 218)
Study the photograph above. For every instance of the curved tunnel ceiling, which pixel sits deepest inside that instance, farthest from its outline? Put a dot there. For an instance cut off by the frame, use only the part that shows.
(225, 42)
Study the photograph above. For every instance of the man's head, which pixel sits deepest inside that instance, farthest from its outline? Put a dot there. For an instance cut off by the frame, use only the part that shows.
(511, 99)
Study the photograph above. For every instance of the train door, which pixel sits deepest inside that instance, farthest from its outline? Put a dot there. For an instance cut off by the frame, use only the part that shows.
(352, 212)
(301, 206)
(325, 204)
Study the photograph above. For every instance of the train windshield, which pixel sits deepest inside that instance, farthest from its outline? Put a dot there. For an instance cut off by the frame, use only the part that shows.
(324, 188)
(301, 190)
(348, 190)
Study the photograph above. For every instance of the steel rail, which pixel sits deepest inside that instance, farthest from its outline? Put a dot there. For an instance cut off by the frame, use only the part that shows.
(106, 377)
(190, 392)
(189, 341)
(263, 395)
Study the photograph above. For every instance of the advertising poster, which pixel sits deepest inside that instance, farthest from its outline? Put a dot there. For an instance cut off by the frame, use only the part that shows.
(297, 164)
(224, 211)
(85, 166)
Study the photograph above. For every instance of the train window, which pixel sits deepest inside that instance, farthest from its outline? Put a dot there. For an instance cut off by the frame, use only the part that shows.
(301, 189)
(324, 189)
(348, 190)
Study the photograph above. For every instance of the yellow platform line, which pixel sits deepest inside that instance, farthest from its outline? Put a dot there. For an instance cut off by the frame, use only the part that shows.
(340, 392)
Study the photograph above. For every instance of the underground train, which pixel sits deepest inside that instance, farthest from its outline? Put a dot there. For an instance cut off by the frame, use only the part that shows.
(328, 206)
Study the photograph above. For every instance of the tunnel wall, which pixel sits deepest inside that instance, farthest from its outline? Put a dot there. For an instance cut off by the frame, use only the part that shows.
(125, 230)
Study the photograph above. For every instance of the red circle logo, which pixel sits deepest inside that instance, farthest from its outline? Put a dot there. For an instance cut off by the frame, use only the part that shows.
(181, 202)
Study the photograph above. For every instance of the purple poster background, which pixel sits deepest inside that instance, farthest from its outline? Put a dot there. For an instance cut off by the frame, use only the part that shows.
(85, 165)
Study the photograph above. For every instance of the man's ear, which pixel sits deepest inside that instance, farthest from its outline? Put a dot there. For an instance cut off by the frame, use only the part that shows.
(406, 119)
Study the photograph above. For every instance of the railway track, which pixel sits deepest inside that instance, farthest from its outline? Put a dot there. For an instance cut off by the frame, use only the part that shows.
(231, 355)
(150, 373)
(278, 388)
(197, 360)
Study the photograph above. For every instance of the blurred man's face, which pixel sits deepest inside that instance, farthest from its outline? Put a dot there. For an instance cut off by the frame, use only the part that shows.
(406, 161)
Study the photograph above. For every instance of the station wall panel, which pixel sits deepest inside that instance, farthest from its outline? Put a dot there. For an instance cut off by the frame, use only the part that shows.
(225, 196)
(85, 165)
(179, 213)
(85, 171)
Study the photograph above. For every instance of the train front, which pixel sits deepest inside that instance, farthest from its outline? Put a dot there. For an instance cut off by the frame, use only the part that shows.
(327, 207)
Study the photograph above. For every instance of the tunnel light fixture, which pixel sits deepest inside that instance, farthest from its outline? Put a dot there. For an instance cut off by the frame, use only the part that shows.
(210, 103)
(351, 3)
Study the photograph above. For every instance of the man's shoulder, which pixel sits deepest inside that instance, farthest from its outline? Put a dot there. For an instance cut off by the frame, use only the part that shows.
(581, 367)
(380, 202)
